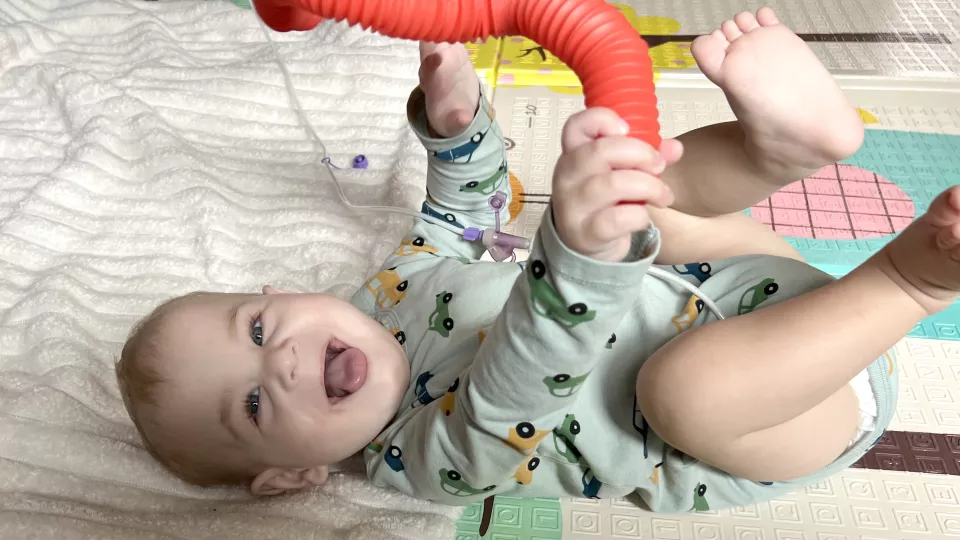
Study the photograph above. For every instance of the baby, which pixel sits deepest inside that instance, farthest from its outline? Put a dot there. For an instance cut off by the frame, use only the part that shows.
(574, 373)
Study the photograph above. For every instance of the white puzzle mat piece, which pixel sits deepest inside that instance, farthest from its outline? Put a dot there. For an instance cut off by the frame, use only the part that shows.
(902, 38)
(533, 117)
(853, 505)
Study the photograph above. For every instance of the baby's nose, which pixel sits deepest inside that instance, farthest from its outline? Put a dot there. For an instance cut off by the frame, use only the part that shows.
(283, 362)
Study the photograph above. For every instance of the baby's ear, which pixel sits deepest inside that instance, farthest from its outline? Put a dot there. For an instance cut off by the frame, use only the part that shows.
(279, 481)
(267, 289)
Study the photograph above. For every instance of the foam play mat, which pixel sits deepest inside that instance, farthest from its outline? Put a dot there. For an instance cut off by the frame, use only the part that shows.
(148, 149)
(836, 218)
(899, 64)
(913, 39)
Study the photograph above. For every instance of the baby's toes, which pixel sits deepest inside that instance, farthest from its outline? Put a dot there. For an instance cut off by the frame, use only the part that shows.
(730, 30)
(944, 211)
(948, 241)
(766, 16)
(746, 22)
(709, 51)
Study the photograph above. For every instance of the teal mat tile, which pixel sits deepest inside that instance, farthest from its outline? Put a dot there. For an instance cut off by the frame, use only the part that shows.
(511, 518)
(922, 165)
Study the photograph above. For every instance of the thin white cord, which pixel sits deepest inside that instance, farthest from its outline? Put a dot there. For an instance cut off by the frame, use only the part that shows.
(677, 280)
(322, 159)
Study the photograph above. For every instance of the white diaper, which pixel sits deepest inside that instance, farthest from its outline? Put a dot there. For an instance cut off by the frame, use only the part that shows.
(868, 405)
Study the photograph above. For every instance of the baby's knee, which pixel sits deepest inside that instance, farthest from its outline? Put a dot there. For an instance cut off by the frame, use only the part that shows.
(684, 406)
(669, 405)
(677, 408)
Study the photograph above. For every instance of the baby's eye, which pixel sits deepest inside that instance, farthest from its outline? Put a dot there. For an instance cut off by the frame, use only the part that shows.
(256, 332)
(253, 404)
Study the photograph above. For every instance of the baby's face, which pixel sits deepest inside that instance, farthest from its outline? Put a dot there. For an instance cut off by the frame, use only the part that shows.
(287, 380)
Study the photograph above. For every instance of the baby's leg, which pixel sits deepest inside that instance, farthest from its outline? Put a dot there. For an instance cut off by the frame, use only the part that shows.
(687, 238)
(765, 395)
(793, 120)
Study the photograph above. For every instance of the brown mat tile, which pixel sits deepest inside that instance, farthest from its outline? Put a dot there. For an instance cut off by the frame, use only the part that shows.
(932, 453)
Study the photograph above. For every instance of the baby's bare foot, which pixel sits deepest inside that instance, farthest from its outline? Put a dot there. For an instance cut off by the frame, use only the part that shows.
(450, 87)
(925, 257)
(793, 113)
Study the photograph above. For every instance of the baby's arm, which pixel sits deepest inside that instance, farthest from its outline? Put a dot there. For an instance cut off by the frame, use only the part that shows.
(463, 174)
(559, 316)
(557, 319)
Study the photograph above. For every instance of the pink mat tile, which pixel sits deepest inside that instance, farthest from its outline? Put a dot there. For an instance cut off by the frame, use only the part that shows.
(796, 187)
(901, 209)
(830, 171)
(870, 223)
(861, 189)
(823, 186)
(782, 216)
(892, 192)
(788, 200)
(855, 174)
(860, 205)
(900, 223)
(830, 220)
(828, 203)
(838, 202)
(799, 232)
(761, 214)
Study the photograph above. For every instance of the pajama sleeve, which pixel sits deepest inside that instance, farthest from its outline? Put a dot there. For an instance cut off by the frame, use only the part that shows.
(558, 317)
(463, 174)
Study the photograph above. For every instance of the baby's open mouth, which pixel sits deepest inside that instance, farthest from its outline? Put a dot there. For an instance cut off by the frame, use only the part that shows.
(345, 370)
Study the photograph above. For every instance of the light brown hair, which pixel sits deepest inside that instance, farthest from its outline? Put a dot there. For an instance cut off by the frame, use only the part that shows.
(140, 378)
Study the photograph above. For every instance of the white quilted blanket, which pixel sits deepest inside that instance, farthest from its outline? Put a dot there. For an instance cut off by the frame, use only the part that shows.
(147, 149)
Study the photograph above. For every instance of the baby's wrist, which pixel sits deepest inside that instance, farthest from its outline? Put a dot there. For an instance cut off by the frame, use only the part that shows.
(567, 232)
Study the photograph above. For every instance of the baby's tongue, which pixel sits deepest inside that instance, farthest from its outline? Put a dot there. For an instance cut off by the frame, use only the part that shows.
(345, 373)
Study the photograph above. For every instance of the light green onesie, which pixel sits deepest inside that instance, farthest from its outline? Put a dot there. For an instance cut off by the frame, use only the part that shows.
(523, 374)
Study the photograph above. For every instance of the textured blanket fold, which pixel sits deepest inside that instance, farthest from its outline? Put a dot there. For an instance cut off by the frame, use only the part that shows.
(148, 149)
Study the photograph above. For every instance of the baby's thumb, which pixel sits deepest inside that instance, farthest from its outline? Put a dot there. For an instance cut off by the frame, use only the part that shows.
(591, 124)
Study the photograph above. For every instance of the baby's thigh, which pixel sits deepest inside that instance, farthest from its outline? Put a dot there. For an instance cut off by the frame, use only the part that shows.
(687, 238)
(738, 286)
(690, 485)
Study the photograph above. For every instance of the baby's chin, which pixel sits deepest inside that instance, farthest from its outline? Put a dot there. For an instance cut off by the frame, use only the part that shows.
(386, 381)
(387, 375)
(365, 416)
(388, 364)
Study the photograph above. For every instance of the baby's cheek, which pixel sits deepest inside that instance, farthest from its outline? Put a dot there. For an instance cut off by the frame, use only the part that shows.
(283, 444)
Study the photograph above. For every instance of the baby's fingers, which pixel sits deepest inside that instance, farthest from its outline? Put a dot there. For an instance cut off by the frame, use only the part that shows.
(625, 185)
(590, 124)
(611, 224)
(602, 156)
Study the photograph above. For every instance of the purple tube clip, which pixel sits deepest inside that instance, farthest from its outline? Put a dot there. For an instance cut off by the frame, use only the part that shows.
(498, 200)
(509, 241)
(472, 233)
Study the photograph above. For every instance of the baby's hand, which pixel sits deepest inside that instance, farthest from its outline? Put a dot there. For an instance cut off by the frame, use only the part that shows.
(601, 167)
